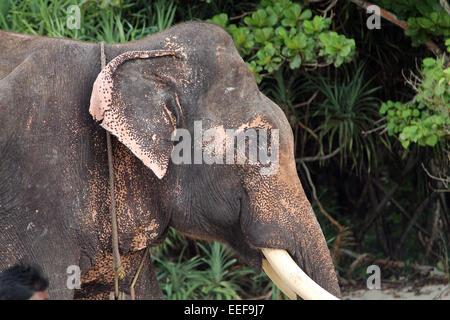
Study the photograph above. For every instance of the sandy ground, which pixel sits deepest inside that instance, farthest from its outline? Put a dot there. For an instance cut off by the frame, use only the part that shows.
(427, 292)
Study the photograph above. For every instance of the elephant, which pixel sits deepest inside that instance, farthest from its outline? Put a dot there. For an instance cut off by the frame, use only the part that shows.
(56, 101)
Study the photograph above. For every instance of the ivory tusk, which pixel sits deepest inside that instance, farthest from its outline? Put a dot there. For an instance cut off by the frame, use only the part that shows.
(290, 274)
(276, 279)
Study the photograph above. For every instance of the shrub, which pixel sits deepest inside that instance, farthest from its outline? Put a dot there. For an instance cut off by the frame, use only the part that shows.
(283, 32)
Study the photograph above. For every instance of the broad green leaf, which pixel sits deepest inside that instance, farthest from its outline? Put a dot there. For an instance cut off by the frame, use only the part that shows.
(425, 23)
(263, 35)
(410, 131)
(307, 14)
(296, 61)
(429, 62)
(431, 140)
(384, 108)
(220, 20)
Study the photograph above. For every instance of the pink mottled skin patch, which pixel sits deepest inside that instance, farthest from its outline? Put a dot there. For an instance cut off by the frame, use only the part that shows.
(101, 103)
(30, 119)
(102, 90)
(218, 139)
(257, 122)
(123, 134)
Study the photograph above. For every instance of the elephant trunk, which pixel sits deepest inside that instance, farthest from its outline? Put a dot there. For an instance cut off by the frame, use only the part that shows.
(281, 217)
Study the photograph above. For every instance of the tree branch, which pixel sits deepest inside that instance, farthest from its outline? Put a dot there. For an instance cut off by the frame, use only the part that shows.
(387, 263)
(330, 6)
(402, 24)
(307, 103)
(445, 5)
(318, 157)
(445, 181)
(416, 214)
(309, 130)
(402, 210)
(343, 233)
(387, 197)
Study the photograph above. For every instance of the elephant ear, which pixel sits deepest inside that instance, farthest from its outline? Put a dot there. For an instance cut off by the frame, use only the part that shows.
(134, 103)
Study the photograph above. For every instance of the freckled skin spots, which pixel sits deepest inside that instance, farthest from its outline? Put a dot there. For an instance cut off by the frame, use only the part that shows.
(255, 211)
(141, 98)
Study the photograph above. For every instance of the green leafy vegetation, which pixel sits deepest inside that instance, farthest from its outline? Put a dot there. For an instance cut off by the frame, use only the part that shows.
(426, 19)
(348, 110)
(212, 273)
(284, 32)
(425, 120)
(109, 21)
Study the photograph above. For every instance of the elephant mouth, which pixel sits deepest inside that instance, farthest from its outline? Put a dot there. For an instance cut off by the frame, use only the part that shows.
(290, 278)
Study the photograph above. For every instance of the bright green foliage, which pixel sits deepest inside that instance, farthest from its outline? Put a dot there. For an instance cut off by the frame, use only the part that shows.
(215, 275)
(425, 120)
(283, 32)
(220, 278)
(336, 49)
(220, 20)
(426, 18)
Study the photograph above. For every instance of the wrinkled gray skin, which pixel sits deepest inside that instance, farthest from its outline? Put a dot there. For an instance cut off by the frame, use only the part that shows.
(54, 177)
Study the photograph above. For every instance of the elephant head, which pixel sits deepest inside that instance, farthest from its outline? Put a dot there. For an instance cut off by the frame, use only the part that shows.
(190, 82)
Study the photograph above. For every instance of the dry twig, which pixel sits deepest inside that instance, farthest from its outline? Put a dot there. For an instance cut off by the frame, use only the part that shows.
(319, 157)
(402, 24)
(344, 236)
(445, 181)
(387, 263)
(445, 5)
